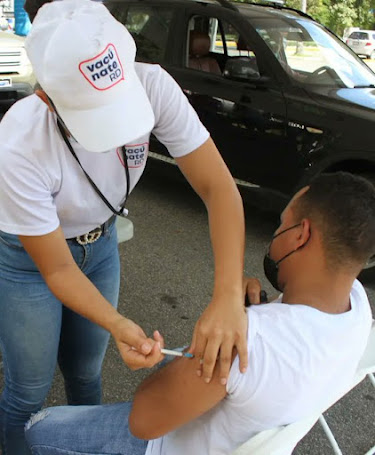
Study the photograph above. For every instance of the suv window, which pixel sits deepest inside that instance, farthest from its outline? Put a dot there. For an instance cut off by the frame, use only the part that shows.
(149, 26)
(309, 54)
(235, 44)
(214, 45)
(359, 35)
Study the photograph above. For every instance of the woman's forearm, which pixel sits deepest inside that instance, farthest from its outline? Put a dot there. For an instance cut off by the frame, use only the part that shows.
(227, 231)
(76, 292)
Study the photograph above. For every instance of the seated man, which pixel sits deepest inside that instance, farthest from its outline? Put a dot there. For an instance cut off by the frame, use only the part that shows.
(303, 348)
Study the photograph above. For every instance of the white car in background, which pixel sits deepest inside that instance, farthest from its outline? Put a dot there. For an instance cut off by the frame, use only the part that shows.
(362, 42)
(16, 75)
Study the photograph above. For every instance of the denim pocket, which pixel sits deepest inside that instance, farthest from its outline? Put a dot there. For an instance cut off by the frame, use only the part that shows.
(11, 240)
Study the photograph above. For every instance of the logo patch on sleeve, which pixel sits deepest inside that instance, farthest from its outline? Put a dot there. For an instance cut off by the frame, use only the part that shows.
(103, 71)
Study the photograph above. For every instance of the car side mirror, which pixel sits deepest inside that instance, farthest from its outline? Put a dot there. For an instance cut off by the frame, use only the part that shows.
(242, 68)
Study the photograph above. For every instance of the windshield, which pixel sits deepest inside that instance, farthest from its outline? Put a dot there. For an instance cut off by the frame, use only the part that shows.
(311, 55)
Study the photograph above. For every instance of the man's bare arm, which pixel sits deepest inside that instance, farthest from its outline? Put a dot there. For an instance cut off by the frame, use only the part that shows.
(171, 397)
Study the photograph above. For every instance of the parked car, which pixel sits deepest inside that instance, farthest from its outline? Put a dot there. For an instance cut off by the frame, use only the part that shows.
(283, 98)
(16, 75)
(362, 42)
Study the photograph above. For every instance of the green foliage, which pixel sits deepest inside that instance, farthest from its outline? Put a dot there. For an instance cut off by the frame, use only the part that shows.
(339, 14)
(316, 8)
(365, 13)
(342, 15)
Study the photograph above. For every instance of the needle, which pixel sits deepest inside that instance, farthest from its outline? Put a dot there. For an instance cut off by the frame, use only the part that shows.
(177, 353)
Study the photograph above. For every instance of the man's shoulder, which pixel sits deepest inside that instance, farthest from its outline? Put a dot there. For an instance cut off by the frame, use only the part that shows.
(288, 322)
(360, 305)
(274, 310)
(358, 292)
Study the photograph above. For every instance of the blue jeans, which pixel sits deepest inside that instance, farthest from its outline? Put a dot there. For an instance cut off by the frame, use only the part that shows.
(83, 430)
(37, 331)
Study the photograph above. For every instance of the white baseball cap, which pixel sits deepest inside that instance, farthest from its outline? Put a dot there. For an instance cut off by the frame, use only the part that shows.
(83, 59)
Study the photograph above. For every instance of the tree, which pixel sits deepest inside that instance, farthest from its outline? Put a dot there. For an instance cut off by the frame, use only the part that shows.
(342, 14)
(315, 8)
(339, 14)
(365, 14)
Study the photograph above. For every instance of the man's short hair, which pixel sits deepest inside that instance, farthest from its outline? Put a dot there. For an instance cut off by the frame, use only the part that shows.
(342, 206)
(32, 7)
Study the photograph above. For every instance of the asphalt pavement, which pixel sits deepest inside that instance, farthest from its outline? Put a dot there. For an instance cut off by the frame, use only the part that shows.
(167, 277)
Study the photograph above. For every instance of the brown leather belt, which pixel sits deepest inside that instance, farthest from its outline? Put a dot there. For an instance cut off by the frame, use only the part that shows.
(95, 234)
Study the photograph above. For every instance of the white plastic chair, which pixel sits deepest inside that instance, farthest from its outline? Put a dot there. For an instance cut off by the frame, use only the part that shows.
(365, 367)
(282, 440)
(279, 440)
(125, 229)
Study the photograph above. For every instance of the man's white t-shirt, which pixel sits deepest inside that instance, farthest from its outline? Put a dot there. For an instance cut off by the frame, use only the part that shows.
(299, 360)
(42, 185)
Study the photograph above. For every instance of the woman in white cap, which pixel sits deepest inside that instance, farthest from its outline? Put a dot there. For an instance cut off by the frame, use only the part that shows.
(60, 193)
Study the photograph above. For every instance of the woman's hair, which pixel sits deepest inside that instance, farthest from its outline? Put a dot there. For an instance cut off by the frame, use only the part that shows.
(32, 7)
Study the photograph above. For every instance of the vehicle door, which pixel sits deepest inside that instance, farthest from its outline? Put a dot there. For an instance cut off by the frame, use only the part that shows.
(228, 80)
(150, 26)
(153, 27)
(325, 118)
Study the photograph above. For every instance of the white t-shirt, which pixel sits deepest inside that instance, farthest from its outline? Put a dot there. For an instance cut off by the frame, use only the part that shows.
(299, 359)
(42, 185)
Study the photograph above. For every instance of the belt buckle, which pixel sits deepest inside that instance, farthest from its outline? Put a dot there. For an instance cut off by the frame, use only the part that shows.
(90, 237)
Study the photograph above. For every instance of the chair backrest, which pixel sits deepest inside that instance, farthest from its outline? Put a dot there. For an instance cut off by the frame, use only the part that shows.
(279, 440)
(367, 363)
(242, 45)
(199, 53)
(366, 366)
(282, 440)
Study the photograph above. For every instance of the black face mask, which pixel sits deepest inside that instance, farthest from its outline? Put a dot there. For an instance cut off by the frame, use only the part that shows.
(271, 267)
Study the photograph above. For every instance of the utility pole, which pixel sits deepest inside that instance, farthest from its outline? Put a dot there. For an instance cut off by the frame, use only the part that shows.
(299, 47)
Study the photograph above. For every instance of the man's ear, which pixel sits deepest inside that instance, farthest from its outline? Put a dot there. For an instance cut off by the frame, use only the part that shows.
(44, 97)
(304, 232)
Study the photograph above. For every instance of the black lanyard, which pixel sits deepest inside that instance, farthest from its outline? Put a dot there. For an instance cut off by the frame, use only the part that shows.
(122, 212)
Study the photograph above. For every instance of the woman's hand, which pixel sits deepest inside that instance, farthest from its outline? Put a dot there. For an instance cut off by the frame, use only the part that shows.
(136, 350)
(221, 328)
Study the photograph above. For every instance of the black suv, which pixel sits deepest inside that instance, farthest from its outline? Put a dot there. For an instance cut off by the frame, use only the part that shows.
(283, 98)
